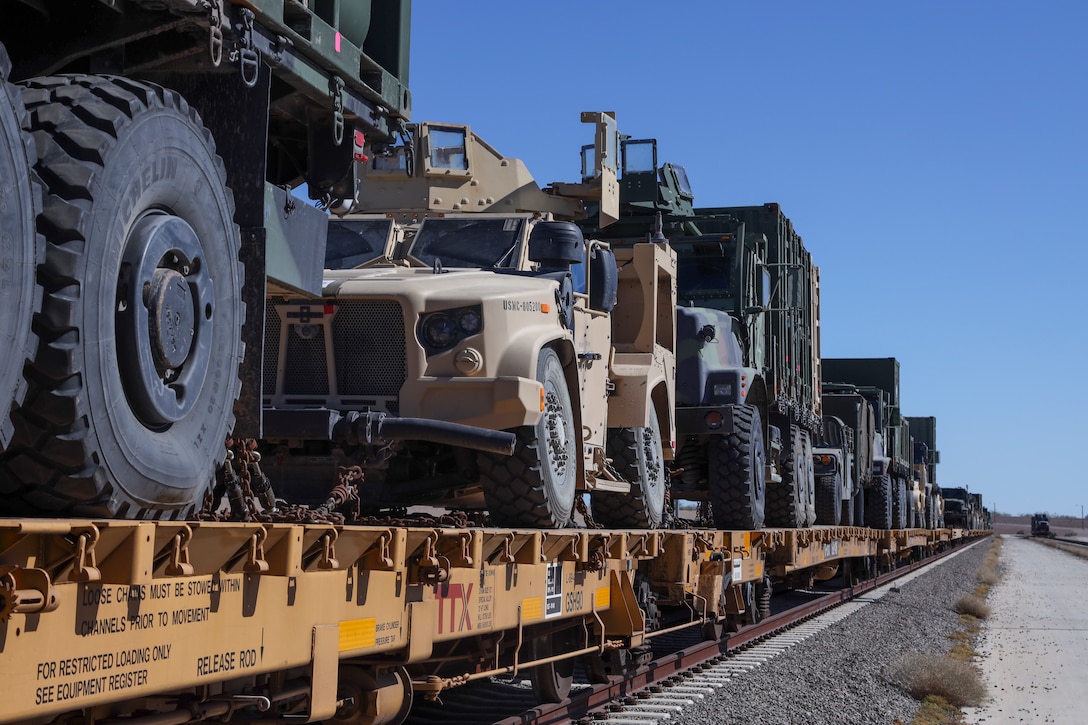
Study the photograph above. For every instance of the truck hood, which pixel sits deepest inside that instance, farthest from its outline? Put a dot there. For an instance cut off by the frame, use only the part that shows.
(456, 285)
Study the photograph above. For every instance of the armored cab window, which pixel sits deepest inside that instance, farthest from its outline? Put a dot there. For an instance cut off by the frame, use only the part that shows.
(394, 162)
(639, 156)
(459, 242)
(353, 242)
(705, 277)
(589, 163)
(683, 185)
(447, 150)
(831, 433)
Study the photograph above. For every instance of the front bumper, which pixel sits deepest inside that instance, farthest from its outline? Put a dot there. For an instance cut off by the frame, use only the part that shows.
(495, 403)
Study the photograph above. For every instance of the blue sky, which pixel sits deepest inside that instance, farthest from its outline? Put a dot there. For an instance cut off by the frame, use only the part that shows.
(933, 156)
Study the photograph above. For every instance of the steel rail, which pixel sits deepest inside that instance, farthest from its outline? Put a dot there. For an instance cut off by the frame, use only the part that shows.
(600, 696)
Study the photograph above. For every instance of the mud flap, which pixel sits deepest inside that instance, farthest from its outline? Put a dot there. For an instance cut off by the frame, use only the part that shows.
(324, 670)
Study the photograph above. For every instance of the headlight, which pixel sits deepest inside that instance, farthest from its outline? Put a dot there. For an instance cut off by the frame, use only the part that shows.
(470, 322)
(721, 388)
(439, 331)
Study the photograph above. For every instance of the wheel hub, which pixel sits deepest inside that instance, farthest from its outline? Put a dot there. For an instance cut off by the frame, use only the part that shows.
(171, 318)
(165, 302)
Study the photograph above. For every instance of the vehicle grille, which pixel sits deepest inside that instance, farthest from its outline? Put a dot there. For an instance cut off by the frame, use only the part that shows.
(368, 348)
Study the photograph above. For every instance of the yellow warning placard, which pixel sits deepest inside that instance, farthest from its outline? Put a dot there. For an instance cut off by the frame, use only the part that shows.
(357, 633)
(532, 608)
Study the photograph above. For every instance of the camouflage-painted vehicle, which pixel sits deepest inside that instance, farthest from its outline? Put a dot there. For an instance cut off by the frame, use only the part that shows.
(165, 136)
(843, 456)
(725, 446)
(964, 509)
(483, 306)
(751, 263)
(889, 501)
(747, 355)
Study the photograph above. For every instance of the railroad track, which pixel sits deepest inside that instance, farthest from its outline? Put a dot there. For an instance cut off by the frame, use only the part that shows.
(1073, 542)
(1076, 547)
(683, 664)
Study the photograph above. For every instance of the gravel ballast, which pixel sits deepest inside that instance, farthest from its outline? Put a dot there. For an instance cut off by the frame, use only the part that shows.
(843, 674)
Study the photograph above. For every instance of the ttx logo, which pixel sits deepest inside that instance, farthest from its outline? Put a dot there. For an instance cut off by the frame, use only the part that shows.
(451, 594)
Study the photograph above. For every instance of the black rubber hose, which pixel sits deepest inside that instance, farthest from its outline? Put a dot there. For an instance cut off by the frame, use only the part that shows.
(355, 427)
(454, 434)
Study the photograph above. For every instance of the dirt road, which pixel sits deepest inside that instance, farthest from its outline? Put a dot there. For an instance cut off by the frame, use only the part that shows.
(1035, 644)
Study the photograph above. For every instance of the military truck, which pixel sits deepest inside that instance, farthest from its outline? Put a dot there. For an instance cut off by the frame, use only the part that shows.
(926, 457)
(888, 500)
(981, 519)
(1040, 526)
(750, 263)
(476, 300)
(166, 136)
(842, 456)
(958, 508)
(749, 304)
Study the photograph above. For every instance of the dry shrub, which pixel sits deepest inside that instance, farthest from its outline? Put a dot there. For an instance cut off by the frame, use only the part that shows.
(935, 710)
(988, 574)
(928, 676)
(972, 606)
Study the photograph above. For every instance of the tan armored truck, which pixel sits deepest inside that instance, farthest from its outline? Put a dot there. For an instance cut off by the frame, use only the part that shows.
(463, 293)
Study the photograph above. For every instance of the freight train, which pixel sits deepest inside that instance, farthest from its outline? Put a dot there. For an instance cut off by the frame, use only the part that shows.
(219, 400)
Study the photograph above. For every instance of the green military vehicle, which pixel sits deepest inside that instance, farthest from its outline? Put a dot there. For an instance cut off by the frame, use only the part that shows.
(747, 346)
(923, 429)
(888, 500)
(165, 136)
(750, 263)
(964, 509)
(466, 294)
(842, 456)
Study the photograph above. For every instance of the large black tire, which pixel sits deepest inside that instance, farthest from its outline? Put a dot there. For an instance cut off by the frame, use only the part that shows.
(931, 512)
(132, 389)
(808, 471)
(536, 486)
(829, 502)
(21, 247)
(899, 503)
(878, 503)
(786, 501)
(637, 455)
(737, 473)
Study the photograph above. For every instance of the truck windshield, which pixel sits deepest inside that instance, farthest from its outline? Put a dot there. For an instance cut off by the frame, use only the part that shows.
(353, 242)
(702, 277)
(830, 433)
(468, 242)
